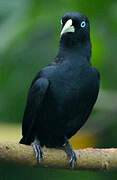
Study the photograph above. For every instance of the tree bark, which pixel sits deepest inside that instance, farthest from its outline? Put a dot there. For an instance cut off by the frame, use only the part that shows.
(88, 159)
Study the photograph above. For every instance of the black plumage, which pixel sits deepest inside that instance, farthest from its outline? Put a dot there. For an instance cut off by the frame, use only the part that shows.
(63, 94)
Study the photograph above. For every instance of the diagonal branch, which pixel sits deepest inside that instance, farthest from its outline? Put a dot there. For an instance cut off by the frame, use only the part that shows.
(88, 159)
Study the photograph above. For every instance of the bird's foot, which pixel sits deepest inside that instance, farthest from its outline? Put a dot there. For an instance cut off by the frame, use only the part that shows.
(38, 150)
(70, 153)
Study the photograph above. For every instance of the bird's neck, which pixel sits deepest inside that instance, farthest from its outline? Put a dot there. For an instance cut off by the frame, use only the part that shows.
(80, 50)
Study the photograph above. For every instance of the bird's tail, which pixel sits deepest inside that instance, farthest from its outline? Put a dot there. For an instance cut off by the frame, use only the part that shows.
(22, 141)
(26, 141)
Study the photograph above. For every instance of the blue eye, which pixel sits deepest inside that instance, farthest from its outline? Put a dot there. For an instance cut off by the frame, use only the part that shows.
(83, 24)
(61, 22)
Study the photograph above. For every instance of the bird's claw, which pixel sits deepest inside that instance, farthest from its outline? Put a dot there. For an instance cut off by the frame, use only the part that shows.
(72, 159)
(70, 153)
(38, 152)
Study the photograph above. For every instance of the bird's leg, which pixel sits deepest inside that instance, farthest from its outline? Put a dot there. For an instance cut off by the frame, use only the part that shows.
(70, 153)
(37, 149)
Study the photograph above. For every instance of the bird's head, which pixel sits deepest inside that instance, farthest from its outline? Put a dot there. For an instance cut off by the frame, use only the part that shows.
(75, 28)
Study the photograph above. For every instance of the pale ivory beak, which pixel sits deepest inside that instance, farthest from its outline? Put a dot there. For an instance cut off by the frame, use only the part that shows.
(68, 27)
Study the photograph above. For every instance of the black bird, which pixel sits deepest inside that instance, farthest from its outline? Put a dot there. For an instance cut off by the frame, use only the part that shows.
(62, 94)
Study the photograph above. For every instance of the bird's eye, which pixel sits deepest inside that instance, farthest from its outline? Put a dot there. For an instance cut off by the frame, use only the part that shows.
(83, 24)
(61, 22)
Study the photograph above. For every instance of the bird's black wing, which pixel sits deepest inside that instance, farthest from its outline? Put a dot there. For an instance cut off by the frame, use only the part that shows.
(88, 106)
(35, 100)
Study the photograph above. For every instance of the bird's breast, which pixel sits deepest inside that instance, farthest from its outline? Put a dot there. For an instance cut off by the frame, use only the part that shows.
(71, 84)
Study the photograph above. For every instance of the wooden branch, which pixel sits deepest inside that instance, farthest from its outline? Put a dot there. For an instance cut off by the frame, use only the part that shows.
(88, 159)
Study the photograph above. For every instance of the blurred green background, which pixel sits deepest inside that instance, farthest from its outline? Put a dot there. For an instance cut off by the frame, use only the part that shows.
(29, 36)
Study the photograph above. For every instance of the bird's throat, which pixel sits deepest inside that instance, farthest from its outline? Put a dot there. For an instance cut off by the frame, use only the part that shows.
(81, 50)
